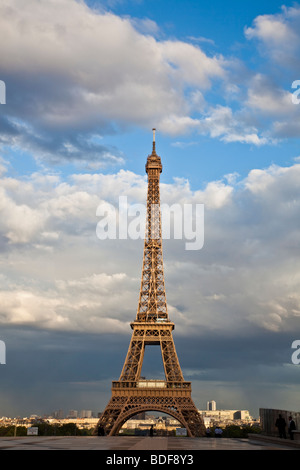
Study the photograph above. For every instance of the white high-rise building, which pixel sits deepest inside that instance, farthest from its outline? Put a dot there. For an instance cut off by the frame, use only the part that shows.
(73, 414)
(211, 405)
(85, 414)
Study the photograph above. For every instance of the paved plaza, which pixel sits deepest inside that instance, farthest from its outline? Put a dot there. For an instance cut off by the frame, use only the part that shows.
(136, 443)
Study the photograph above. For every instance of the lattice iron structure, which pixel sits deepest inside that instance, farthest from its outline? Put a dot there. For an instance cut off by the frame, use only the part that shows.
(131, 394)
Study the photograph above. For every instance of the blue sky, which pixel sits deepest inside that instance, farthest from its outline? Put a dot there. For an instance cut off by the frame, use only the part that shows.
(85, 84)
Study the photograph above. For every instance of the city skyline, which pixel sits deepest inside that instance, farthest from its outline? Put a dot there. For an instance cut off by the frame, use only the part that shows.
(82, 414)
(85, 83)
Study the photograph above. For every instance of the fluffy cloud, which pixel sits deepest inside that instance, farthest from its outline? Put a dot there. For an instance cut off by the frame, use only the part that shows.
(74, 74)
(222, 123)
(266, 94)
(73, 79)
(279, 35)
(59, 275)
(269, 99)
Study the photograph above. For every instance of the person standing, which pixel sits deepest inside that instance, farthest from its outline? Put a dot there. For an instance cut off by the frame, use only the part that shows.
(281, 425)
(291, 427)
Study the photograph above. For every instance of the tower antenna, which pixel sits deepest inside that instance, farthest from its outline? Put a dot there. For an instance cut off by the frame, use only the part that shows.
(153, 130)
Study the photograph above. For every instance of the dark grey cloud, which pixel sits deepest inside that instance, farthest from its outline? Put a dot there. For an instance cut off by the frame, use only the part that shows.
(22, 128)
(48, 370)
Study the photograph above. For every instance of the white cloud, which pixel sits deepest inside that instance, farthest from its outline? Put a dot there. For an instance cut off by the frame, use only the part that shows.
(58, 275)
(268, 95)
(73, 72)
(271, 29)
(190, 64)
(216, 195)
(20, 222)
(278, 35)
(174, 124)
(265, 96)
(96, 303)
(218, 122)
(222, 123)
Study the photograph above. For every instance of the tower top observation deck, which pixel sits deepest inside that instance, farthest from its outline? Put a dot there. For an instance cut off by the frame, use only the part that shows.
(153, 160)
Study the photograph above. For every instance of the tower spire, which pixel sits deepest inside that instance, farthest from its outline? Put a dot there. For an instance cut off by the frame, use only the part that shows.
(153, 143)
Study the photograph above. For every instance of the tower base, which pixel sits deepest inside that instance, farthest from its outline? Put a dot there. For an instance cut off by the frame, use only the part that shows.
(130, 398)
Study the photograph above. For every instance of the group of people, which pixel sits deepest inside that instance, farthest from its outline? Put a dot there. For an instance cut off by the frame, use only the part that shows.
(218, 432)
(281, 425)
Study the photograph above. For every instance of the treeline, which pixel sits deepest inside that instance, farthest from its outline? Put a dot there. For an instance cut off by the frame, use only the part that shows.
(231, 430)
(70, 429)
(46, 429)
(235, 431)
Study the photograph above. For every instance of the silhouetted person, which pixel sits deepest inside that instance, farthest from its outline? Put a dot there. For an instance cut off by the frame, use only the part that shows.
(281, 424)
(291, 427)
(208, 432)
(151, 431)
(101, 431)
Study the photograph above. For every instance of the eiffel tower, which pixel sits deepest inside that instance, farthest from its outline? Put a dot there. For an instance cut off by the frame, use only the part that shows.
(132, 394)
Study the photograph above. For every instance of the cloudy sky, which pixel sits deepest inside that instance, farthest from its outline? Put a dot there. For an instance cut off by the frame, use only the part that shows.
(85, 84)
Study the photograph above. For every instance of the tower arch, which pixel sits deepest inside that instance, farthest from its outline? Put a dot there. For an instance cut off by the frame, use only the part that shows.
(132, 412)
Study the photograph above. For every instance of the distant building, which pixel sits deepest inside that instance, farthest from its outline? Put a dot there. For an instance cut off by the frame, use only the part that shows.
(225, 416)
(160, 424)
(85, 414)
(59, 414)
(73, 414)
(211, 405)
(242, 414)
(141, 415)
